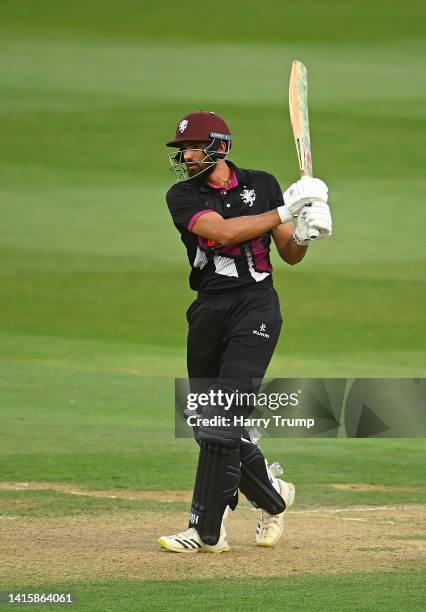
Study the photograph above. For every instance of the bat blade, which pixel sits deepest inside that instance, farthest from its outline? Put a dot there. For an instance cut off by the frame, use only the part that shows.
(299, 117)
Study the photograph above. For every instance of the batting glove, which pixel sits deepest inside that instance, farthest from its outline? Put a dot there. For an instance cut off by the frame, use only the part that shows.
(304, 191)
(313, 223)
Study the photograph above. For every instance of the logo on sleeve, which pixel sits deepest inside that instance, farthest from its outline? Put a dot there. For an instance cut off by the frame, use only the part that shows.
(248, 196)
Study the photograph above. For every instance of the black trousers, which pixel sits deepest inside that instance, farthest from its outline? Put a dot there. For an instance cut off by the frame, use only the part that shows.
(233, 336)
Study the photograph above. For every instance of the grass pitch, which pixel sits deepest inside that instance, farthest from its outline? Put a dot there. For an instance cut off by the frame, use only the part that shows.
(93, 283)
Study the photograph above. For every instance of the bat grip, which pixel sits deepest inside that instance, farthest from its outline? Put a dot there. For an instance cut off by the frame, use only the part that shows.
(313, 233)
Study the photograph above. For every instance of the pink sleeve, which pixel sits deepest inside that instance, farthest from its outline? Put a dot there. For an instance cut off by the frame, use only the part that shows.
(197, 216)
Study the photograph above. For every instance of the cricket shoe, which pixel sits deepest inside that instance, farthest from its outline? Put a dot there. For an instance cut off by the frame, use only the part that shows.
(270, 527)
(189, 541)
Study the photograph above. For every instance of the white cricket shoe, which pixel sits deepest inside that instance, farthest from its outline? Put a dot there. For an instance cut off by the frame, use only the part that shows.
(270, 527)
(190, 542)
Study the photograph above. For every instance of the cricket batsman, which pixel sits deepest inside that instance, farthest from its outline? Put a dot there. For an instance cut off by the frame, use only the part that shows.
(226, 217)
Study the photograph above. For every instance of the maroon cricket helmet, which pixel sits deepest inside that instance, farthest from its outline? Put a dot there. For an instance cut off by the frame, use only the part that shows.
(201, 126)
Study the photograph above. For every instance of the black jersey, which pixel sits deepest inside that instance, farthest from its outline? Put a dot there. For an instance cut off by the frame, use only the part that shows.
(217, 268)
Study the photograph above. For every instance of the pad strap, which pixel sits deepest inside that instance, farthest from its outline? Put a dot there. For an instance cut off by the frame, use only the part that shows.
(255, 482)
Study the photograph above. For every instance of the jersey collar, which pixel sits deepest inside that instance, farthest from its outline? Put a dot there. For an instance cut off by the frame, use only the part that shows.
(240, 173)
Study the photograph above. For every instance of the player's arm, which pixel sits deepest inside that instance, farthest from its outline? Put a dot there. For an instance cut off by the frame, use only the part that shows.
(287, 248)
(213, 226)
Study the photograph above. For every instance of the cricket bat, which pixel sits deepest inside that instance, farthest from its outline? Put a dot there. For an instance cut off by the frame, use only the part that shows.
(299, 117)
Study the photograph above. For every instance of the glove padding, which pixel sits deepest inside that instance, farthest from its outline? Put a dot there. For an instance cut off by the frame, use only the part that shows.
(304, 191)
(313, 223)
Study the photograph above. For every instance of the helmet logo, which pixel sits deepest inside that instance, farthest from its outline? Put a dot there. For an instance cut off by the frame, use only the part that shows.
(183, 125)
(248, 196)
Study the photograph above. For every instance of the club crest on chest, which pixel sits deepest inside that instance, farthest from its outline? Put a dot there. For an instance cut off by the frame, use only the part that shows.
(248, 196)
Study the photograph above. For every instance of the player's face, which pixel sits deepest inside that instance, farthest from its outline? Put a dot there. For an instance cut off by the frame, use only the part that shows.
(193, 156)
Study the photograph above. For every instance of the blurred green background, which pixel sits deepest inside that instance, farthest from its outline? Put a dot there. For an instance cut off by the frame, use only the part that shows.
(92, 268)
(93, 278)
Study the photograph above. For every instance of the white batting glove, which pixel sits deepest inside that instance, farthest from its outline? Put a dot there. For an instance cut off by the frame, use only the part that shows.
(304, 191)
(313, 223)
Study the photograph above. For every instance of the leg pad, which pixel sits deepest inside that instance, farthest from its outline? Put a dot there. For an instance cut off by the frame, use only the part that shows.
(216, 487)
(255, 482)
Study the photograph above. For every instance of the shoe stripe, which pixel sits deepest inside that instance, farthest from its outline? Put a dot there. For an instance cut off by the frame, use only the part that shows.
(190, 543)
(182, 543)
(195, 542)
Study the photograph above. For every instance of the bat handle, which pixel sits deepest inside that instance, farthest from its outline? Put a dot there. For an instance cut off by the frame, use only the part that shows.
(314, 233)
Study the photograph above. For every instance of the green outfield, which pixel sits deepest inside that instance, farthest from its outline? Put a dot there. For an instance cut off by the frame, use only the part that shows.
(93, 291)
